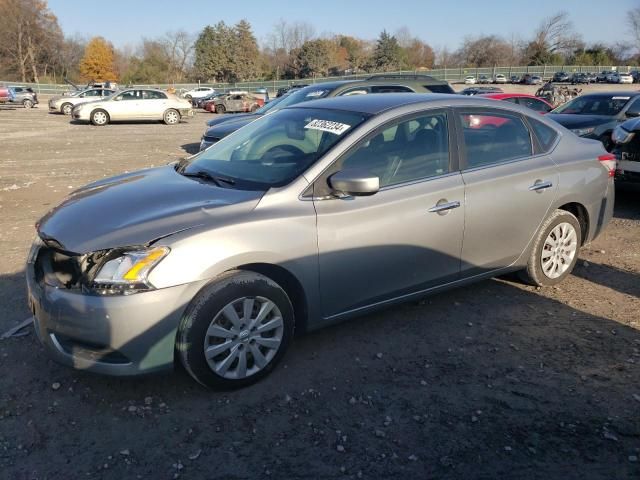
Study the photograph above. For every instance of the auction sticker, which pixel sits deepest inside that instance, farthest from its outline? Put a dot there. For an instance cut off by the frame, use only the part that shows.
(328, 126)
(620, 98)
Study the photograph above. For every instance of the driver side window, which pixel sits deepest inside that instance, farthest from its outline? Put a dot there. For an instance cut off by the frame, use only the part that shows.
(409, 150)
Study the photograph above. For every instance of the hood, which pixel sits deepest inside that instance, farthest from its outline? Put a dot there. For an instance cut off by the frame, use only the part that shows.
(230, 117)
(227, 128)
(632, 125)
(572, 121)
(139, 207)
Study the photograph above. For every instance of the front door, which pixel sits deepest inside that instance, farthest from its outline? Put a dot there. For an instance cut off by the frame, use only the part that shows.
(406, 237)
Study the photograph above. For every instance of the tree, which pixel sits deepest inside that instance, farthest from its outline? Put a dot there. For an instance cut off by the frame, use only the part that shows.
(313, 58)
(386, 54)
(357, 52)
(213, 51)
(30, 38)
(554, 39)
(244, 62)
(633, 20)
(98, 61)
(178, 47)
(485, 51)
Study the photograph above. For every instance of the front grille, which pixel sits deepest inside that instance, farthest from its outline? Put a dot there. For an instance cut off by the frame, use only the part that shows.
(57, 268)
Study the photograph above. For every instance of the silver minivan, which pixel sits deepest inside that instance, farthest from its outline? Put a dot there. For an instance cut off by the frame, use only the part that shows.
(308, 216)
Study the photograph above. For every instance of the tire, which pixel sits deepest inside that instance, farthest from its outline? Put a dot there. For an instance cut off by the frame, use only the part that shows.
(171, 117)
(99, 118)
(253, 108)
(66, 108)
(27, 103)
(188, 97)
(560, 225)
(220, 109)
(235, 291)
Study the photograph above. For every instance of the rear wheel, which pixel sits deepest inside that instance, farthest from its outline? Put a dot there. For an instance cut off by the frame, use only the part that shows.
(220, 109)
(171, 117)
(99, 118)
(66, 108)
(235, 330)
(27, 103)
(555, 251)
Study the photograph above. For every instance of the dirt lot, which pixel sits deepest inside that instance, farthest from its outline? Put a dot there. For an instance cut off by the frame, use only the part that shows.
(495, 380)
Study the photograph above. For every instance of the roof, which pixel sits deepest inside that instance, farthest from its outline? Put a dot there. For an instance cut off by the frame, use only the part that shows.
(612, 94)
(380, 102)
(501, 96)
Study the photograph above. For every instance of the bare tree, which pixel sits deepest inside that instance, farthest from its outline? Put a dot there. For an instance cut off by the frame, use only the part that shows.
(554, 37)
(179, 51)
(633, 20)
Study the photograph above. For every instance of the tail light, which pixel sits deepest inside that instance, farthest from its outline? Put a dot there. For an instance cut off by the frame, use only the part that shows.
(608, 161)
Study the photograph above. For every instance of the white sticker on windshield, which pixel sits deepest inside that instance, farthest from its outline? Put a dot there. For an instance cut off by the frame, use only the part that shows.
(620, 98)
(328, 126)
(316, 93)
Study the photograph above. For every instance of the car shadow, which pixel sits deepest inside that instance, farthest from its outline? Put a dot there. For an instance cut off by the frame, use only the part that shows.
(191, 148)
(627, 201)
(491, 380)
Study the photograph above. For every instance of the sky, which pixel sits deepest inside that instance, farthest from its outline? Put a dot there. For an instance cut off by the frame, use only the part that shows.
(440, 23)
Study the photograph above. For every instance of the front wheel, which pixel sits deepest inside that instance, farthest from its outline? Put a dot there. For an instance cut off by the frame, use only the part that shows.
(66, 108)
(27, 103)
(555, 251)
(220, 109)
(235, 330)
(99, 118)
(171, 117)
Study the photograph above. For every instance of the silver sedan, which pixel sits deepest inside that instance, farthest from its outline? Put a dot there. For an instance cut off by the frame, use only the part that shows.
(309, 216)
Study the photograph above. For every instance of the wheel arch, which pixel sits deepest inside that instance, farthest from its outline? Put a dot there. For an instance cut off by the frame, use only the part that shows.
(290, 284)
(580, 212)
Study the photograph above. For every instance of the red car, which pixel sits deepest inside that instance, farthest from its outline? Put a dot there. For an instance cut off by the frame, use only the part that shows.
(534, 103)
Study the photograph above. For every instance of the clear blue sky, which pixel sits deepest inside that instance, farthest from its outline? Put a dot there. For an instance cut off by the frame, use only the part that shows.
(440, 23)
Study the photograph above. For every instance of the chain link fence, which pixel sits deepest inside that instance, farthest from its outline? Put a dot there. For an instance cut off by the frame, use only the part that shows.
(451, 75)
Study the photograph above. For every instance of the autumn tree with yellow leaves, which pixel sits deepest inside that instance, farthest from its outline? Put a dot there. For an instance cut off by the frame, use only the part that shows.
(98, 61)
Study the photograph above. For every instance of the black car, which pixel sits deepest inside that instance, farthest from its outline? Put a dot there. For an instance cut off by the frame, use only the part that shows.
(480, 90)
(626, 140)
(597, 114)
(580, 78)
(382, 83)
(282, 90)
(560, 77)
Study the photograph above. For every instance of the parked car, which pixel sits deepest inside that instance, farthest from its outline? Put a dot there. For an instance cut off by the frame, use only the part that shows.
(626, 147)
(134, 104)
(221, 257)
(24, 96)
(282, 90)
(198, 92)
(596, 115)
(500, 78)
(534, 80)
(602, 76)
(625, 78)
(385, 83)
(6, 95)
(530, 101)
(470, 80)
(580, 78)
(66, 104)
(612, 77)
(237, 102)
(484, 79)
(514, 79)
(561, 77)
(470, 91)
(200, 102)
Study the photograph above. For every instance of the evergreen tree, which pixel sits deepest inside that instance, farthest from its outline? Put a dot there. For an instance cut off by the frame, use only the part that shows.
(387, 55)
(244, 61)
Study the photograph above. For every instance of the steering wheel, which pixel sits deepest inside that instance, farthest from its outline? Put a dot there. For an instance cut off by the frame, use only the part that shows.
(281, 153)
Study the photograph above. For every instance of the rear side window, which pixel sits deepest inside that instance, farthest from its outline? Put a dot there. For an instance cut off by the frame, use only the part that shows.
(534, 104)
(390, 89)
(439, 88)
(546, 135)
(491, 138)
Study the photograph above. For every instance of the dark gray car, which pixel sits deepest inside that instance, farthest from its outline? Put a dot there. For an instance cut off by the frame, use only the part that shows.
(310, 215)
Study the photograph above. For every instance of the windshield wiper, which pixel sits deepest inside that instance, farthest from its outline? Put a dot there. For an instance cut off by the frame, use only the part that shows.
(204, 175)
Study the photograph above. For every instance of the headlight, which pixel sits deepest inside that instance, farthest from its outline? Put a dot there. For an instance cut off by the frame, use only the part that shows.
(620, 135)
(126, 271)
(583, 132)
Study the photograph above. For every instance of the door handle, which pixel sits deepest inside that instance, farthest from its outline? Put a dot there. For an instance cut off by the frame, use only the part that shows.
(538, 186)
(442, 207)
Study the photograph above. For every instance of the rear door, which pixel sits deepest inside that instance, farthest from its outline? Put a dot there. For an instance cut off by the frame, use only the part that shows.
(509, 188)
(153, 104)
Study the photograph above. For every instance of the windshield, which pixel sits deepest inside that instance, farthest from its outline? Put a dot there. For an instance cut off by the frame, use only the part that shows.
(594, 105)
(304, 95)
(267, 107)
(275, 149)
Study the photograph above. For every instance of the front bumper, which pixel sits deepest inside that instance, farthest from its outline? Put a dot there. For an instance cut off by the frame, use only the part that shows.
(113, 335)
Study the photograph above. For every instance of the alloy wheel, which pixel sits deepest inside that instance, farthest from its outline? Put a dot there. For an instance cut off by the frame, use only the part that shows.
(559, 250)
(243, 337)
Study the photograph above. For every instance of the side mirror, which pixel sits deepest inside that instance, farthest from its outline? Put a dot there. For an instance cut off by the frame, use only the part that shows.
(632, 113)
(354, 182)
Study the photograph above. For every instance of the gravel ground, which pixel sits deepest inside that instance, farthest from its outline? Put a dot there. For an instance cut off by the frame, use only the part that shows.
(494, 380)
